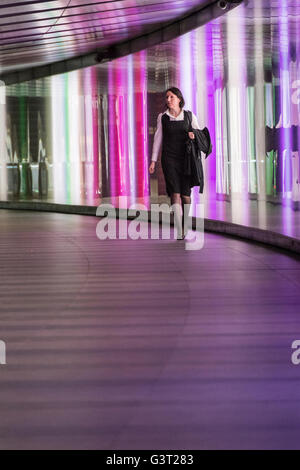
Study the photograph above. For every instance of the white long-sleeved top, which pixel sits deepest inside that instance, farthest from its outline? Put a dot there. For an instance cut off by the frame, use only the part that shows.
(158, 136)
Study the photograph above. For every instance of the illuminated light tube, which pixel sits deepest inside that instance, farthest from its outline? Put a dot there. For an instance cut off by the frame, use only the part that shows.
(25, 170)
(74, 132)
(218, 66)
(186, 70)
(131, 127)
(112, 135)
(122, 125)
(270, 160)
(67, 138)
(252, 180)
(285, 139)
(187, 85)
(3, 137)
(91, 165)
(210, 122)
(58, 138)
(258, 139)
(118, 128)
(220, 168)
(237, 116)
(200, 95)
(141, 132)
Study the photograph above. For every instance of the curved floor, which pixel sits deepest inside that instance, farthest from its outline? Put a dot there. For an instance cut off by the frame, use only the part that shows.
(257, 221)
(123, 344)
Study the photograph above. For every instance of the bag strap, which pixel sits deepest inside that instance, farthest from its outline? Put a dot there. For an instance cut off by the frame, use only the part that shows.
(189, 118)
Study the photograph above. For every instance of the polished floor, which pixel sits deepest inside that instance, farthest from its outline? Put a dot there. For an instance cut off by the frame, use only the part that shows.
(123, 344)
(276, 217)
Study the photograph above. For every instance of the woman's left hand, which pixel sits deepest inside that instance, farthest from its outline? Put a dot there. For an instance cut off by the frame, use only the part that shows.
(191, 135)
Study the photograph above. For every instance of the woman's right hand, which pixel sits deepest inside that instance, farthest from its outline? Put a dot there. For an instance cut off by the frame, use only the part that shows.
(152, 168)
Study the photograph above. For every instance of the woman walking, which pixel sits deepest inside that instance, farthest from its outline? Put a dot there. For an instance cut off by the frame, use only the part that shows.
(171, 135)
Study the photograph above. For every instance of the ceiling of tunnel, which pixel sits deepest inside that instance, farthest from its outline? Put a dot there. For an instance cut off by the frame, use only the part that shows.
(37, 32)
(259, 28)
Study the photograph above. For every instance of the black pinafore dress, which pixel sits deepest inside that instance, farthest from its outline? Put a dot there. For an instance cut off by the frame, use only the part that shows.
(175, 134)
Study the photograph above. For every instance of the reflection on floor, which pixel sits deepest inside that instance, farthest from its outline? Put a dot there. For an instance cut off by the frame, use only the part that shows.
(123, 344)
(250, 213)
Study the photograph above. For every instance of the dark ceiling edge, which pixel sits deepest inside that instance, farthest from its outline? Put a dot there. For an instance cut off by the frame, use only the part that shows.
(169, 31)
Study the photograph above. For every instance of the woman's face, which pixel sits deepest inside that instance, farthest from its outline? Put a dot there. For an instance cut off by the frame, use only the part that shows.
(172, 100)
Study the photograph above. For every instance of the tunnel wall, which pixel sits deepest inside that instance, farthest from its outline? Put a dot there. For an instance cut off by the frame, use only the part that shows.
(87, 135)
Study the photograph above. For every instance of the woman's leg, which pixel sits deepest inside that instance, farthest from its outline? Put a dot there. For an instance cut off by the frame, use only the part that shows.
(186, 204)
(176, 205)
